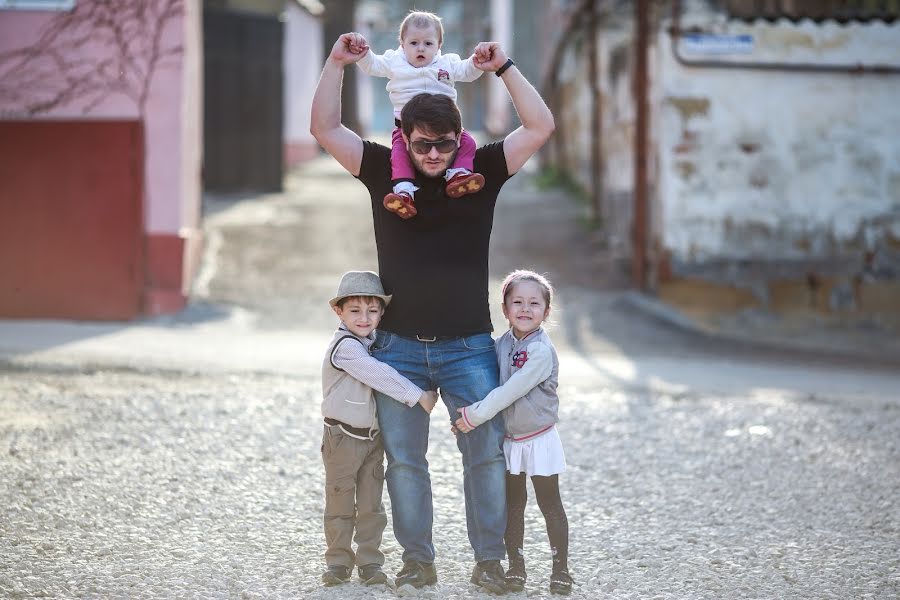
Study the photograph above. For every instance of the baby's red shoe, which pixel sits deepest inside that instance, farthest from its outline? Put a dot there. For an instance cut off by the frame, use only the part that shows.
(401, 203)
(464, 183)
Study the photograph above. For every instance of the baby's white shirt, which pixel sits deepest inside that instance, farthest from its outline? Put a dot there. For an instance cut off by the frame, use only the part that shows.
(405, 80)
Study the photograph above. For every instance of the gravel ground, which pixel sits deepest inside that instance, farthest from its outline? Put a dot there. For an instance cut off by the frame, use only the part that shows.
(121, 484)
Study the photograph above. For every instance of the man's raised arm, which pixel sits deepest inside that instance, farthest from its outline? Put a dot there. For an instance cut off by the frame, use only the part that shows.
(325, 121)
(537, 120)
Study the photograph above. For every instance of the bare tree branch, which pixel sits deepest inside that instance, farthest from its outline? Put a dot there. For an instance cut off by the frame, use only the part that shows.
(100, 49)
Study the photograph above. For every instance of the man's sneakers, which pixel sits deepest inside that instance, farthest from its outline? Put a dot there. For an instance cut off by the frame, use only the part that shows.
(561, 583)
(489, 575)
(464, 183)
(401, 204)
(372, 574)
(336, 575)
(416, 574)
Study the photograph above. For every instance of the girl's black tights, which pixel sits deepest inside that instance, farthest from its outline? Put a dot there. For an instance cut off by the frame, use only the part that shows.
(546, 488)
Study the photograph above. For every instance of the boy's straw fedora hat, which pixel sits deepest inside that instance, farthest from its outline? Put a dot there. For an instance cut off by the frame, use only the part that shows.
(360, 283)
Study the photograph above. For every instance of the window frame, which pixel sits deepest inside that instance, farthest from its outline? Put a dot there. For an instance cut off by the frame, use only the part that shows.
(40, 5)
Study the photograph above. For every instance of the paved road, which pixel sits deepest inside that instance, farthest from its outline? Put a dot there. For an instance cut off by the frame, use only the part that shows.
(179, 457)
(148, 485)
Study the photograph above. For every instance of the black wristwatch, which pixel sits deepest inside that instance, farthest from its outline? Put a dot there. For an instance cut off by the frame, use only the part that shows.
(509, 62)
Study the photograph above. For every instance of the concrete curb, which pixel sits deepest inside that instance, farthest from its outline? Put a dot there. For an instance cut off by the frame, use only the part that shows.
(668, 315)
(185, 343)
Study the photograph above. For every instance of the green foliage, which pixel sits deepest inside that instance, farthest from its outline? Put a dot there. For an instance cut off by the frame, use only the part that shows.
(556, 178)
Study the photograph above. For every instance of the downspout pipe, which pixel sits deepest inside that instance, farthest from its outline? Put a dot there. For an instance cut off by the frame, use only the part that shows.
(596, 116)
(641, 146)
(675, 33)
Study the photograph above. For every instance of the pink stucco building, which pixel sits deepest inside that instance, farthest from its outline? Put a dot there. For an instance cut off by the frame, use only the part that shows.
(100, 158)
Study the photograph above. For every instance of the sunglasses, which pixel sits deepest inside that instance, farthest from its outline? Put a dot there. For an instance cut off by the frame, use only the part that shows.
(424, 147)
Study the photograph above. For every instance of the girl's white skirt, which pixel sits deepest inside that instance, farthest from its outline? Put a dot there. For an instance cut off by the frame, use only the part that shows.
(542, 455)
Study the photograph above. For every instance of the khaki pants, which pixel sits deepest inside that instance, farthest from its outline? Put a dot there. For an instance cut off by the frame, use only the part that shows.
(354, 481)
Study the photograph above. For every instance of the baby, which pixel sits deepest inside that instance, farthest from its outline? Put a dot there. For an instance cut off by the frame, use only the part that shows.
(415, 67)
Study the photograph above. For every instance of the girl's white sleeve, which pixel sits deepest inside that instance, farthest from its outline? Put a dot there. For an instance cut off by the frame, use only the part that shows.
(462, 70)
(377, 65)
(536, 369)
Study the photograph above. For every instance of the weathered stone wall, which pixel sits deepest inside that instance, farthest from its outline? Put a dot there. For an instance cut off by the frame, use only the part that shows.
(785, 166)
(758, 176)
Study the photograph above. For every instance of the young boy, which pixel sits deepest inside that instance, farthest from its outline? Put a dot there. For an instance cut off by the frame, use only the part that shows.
(351, 449)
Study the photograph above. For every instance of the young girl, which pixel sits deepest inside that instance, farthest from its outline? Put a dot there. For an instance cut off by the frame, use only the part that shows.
(527, 395)
(418, 66)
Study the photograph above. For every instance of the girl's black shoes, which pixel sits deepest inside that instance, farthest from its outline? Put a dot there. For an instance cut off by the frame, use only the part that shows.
(561, 583)
(515, 575)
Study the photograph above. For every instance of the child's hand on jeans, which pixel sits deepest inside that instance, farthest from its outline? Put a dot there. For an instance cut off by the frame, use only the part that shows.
(427, 400)
(461, 424)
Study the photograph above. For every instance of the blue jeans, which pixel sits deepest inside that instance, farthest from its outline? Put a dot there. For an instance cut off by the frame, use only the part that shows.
(465, 370)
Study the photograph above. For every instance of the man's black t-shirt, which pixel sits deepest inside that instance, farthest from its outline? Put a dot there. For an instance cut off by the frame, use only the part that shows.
(436, 263)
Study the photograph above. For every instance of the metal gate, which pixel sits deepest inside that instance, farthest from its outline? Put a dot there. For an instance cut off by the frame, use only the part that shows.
(242, 126)
(71, 219)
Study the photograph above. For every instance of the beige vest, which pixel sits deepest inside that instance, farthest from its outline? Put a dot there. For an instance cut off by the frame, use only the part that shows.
(345, 398)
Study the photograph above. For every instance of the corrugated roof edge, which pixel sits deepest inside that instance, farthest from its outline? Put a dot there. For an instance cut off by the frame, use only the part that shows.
(887, 19)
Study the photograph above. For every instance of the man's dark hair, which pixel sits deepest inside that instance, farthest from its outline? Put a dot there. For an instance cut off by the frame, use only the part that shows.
(433, 114)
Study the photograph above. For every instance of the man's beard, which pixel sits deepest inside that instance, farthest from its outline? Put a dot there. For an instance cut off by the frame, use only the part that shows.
(418, 165)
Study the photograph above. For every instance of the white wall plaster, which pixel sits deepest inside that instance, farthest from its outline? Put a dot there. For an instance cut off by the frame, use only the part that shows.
(780, 165)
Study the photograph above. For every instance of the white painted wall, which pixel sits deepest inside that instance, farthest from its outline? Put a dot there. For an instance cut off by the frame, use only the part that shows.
(302, 65)
(775, 166)
(497, 119)
(192, 119)
(615, 42)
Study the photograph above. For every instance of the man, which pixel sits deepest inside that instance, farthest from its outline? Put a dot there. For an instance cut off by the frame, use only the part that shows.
(437, 329)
